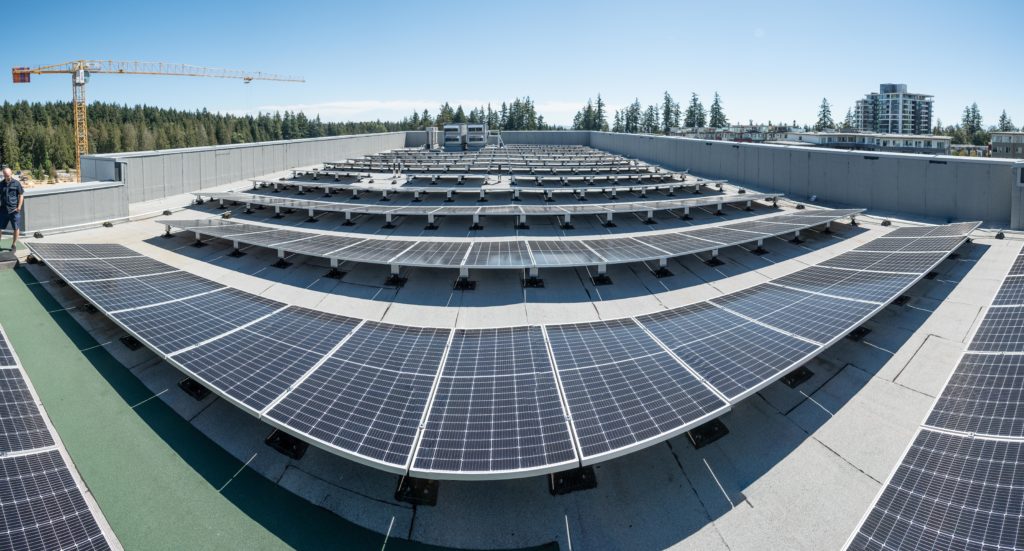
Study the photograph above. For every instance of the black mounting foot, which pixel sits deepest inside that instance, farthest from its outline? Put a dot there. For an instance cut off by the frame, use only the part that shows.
(610, 224)
(687, 217)
(475, 227)
(797, 377)
(650, 221)
(430, 227)
(749, 209)
(707, 433)
(287, 444)
(463, 284)
(800, 206)
(827, 230)
(575, 480)
(281, 264)
(796, 241)
(395, 281)
(760, 251)
(719, 213)
(131, 343)
(931, 275)
(277, 216)
(533, 283)
(567, 226)
(522, 226)
(901, 300)
(167, 234)
(663, 272)
(248, 211)
(311, 220)
(601, 279)
(348, 223)
(222, 207)
(237, 253)
(193, 388)
(198, 244)
(416, 491)
(388, 226)
(714, 261)
(334, 274)
(858, 334)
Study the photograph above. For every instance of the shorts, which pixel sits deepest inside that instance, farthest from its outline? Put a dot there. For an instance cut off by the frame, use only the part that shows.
(12, 219)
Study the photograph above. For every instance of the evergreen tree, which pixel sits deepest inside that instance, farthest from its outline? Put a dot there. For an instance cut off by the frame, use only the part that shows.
(669, 112)
(617, 125)
(848, 121)
(825, 121)
(695, 116)
(1005, 123)
(601, 115)
(718, 119)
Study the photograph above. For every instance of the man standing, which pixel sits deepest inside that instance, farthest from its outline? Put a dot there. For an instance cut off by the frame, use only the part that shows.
(12, 199)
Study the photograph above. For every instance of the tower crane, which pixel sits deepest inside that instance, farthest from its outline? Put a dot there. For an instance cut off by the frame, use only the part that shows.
(80, 71)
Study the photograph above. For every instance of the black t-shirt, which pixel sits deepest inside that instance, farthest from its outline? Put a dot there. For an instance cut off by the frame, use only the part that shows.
(10, 194)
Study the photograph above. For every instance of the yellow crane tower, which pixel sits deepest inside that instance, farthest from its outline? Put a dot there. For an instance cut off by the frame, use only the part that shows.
(81, 69)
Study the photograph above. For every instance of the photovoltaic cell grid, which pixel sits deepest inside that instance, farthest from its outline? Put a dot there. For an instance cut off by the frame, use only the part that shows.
(42, 507)
(622, 388)
(984, 396)
(950, 492)
(257, 364)
(368, 398)
(496, 407)
(964, 489)
(21, 422)
(510, 254)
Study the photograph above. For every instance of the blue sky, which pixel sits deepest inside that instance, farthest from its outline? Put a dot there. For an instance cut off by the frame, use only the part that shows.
(768, 60)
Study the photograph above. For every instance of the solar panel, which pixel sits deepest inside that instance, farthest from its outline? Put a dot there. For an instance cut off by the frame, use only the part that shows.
(1011, 293)
(6, 355)
(735, 357)
(916, 231)
(950, 492)
(622, 389)
(1002, 330)
(259, 363)
(375, 250)
(498, 253)
(911, 244)
(85, 270)
(725, 235)
(984, 396)
(21, 424)
(1018, 266)
(497, 406)
(434, 253)
(815, 317)
(368, 398)
(42, 506)
(624, 249)
(322, 245)
(562, 253)
(60, 250)
(172, 326)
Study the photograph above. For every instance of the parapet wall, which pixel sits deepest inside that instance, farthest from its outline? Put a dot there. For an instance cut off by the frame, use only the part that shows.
(942, 188)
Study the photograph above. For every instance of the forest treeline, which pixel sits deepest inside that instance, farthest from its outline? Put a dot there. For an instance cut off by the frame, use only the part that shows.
(39, 137)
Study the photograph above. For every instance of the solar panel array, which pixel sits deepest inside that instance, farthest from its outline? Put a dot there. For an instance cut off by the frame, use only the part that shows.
(41, 505)
(482, 210)
(540, 252)
(960, 485)
(501, 402)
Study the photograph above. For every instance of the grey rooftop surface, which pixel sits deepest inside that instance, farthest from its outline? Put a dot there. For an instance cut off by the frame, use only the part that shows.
(797, 471)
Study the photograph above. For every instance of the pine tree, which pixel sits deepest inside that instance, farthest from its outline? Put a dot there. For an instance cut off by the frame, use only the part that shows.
(718, 119)
(668, 111)
(601, 115)
(848, 121)
(1005, 123)
(825, 121)
(695, 116)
